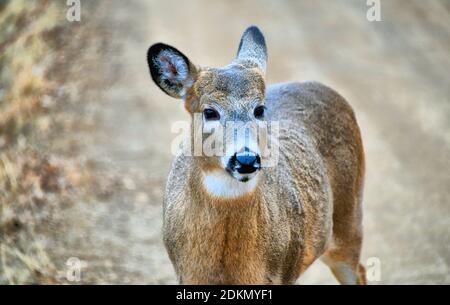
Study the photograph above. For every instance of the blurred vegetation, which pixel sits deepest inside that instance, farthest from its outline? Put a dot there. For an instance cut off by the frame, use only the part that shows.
(23, 25)
(27, 178)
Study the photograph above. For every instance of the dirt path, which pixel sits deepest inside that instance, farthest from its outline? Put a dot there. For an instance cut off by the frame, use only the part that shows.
(394, 73)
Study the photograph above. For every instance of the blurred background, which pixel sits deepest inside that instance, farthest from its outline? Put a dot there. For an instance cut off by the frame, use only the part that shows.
(85, 135)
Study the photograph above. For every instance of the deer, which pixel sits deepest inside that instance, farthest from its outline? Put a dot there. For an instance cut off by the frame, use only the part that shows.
(227, 218)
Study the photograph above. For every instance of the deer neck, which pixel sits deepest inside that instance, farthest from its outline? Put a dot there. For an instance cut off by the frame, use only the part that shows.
(233, 227)
(220, 185)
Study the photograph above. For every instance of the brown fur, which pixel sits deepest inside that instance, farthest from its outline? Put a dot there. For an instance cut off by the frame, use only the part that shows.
(275, 233)
(306, 207)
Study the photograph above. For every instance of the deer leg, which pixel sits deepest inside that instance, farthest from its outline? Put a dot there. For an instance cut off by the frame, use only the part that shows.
(345, 266)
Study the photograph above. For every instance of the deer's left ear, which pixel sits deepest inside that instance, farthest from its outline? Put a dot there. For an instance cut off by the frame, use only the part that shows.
(171, 70)
(252, 51)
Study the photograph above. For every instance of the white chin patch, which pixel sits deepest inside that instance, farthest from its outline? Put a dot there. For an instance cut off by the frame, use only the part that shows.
(221, 184)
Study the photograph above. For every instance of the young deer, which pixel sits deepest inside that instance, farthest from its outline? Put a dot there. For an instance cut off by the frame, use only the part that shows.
(229, 219)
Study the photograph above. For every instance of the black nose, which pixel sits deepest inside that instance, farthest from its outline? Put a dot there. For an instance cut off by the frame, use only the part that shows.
(247, 161)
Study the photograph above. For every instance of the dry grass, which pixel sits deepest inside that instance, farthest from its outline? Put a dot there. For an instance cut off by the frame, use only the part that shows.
(23, 62)
(37, 182)
(28, 180)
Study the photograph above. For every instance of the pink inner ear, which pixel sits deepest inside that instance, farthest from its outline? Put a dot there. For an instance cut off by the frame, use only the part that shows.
(169, 67)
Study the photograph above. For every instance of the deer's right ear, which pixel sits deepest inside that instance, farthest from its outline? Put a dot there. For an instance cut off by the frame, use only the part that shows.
(171, 70)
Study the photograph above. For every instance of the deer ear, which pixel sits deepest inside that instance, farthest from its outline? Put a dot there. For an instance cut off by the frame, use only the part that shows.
(252, 49)
(170, 69)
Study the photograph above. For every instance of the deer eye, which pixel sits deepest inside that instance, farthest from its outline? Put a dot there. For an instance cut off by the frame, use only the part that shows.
(259, 112)
(211, 114)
